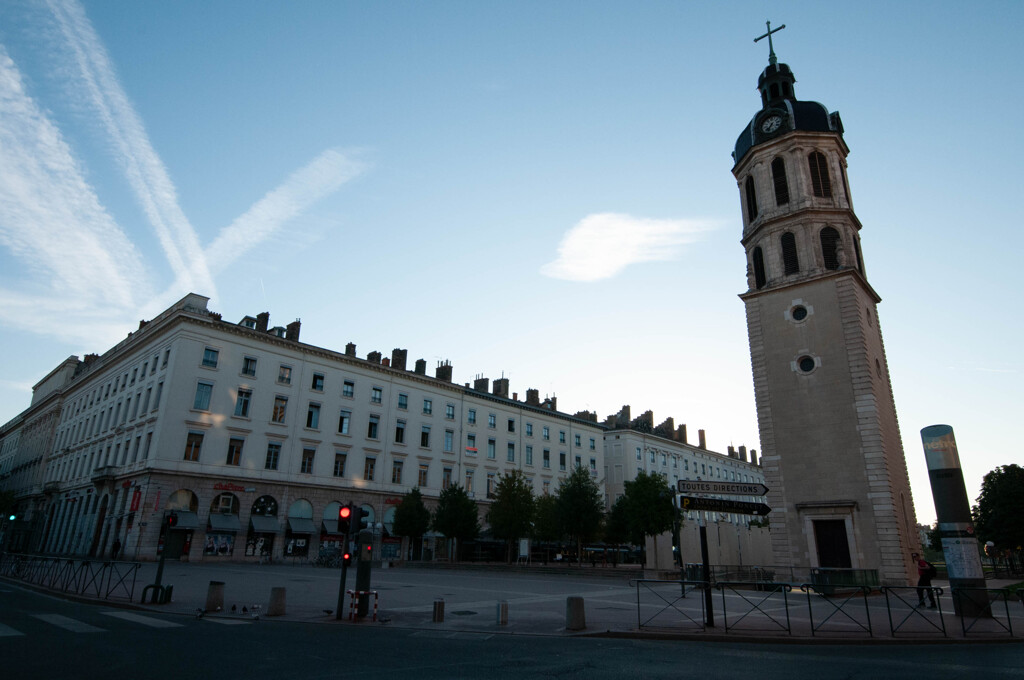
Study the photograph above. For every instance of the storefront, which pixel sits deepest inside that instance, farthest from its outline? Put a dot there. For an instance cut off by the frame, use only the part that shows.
(178, 539)
(220, 535)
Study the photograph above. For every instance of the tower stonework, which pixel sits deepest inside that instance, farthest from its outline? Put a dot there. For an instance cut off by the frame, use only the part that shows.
(831, 448)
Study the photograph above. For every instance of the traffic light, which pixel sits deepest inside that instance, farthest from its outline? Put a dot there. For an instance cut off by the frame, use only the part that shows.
(344, 518)
(360, 520)
(172, 520)
(346, 557)
(366, 552)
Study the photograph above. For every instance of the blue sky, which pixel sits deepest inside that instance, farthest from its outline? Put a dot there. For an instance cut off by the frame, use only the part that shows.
(535, 189)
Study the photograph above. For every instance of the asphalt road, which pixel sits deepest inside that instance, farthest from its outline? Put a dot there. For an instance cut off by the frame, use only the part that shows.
(42, 636)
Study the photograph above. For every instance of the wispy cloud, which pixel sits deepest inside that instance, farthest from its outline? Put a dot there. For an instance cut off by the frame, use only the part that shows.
(142, 166)
(50, 218)
(602, 245)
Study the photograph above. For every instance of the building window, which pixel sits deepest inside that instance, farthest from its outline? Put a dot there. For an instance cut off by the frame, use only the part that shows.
(759, 273)
(280, 407)
(471, 416)
(234, 451)
(492, 421)
(369, 468)
(425, 436)
(546, 433)
(210, 356)
(529, 429)
(490, 449)
(249, 367)
(593, 444)
(471, 444)
(446, 478)
(449, 441)
(339, 464)
(578, 462)
(561, 461)
(511, 453)
(529, 455)
(318, 382)
(348, 389)
(159, 391)
(779, 180)
(202, 400)
(490, 485)
(652, 454)
(561, 436)
(469, 481)
(546, 457)
(428, 407)
(273, 455)
(193, 444)
(790, 261)
(577, 441)
(403, 401)
(376, 395)
(751, 199)
(400, 432)
(284, 375)
(511, 424)
(593, 465)
(820, 182)
(830, 247)
(306, 467)
(421, 479)
(372, 426)
(313, 417)
(449, 411)
(396, 472)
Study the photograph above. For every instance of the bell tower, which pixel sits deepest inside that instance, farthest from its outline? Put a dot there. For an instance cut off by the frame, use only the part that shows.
(830, 441)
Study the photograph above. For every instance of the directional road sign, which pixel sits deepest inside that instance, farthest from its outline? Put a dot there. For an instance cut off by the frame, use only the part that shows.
(722, 488)
(722, 505)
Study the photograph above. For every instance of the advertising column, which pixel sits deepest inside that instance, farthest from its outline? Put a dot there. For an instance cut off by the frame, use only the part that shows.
(956, 527)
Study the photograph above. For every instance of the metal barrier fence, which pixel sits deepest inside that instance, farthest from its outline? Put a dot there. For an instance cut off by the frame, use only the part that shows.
(831, 609)
(107, 580)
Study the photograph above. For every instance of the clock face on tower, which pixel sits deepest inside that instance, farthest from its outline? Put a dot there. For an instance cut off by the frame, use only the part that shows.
(771, 124)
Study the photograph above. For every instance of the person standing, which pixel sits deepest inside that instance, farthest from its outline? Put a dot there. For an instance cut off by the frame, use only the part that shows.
(115, 549)
(925, 572)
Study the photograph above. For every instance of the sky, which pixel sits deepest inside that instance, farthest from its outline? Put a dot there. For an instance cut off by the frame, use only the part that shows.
(535, 190)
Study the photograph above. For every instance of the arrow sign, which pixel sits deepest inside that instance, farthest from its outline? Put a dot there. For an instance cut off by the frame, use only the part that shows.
(721, 505)
(723, 488)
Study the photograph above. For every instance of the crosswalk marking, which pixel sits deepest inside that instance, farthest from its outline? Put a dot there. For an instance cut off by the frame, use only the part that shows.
(68, 623)
(227, 622)
(144, 620)
(7, 631)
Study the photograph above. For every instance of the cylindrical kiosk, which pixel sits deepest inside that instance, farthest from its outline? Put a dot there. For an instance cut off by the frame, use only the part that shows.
(956, 527)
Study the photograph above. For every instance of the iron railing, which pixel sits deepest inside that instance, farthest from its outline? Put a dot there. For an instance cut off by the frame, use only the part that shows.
(103, 579)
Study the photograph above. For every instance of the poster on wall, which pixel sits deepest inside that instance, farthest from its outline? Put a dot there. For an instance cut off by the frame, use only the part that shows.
(219, 544)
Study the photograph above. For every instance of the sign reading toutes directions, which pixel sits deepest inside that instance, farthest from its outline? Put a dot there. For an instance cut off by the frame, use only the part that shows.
(721, 504)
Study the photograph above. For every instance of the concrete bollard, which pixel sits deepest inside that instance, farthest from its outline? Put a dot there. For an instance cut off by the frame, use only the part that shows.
(215, 596)
(502, 612)
(277, 601)
(574, 617)
(439, 611)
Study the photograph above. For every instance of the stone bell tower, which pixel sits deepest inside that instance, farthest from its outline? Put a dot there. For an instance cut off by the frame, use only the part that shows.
(830, 441)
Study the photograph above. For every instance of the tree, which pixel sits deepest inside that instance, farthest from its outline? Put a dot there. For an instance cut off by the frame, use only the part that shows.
(997, 516)
(580, 507)
(456, 516)
(511, 513)
(412, 519)
(547, 526)
(617, 529)
(649, 506)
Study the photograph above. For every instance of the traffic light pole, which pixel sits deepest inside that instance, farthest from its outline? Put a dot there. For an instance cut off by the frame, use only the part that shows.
(338, 616)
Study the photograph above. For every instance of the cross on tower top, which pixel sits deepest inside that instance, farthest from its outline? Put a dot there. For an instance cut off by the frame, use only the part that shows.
(771, 49)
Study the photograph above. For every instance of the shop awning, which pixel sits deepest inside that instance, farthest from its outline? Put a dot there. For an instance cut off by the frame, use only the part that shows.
(331, 526)
(265, 525)
(301, 525)
(186, 520)
(219, 522)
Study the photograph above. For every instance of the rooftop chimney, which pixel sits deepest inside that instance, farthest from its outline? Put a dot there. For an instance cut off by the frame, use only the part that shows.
(292, 331)
(350, 349)
(681, 433)
(732, 452)
(702, 441)
(743, 453)
(501, 387)
(481, 384)
(263, 321)
(444, 371)
(398, 358)
(533, 397)
(373, 357)
(421, 366)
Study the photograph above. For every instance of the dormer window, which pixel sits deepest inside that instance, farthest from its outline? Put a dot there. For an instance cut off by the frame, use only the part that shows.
(819, 175)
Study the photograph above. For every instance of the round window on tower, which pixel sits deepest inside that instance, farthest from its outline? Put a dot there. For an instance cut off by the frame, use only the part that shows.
(806, 364)
(799, 313)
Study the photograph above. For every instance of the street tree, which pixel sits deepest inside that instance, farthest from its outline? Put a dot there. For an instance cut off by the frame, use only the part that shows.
(617, 529)
(580, 507)
(997, 516)
(456, 516)
(547, 526)
(649, 509)
(511, 514)
(412, 519)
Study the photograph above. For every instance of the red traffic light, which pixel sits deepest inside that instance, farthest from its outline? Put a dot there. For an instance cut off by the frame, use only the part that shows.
(344, 512)
(172, 519)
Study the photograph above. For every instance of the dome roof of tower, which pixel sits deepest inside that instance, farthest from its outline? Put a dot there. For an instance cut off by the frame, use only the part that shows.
(797, 115)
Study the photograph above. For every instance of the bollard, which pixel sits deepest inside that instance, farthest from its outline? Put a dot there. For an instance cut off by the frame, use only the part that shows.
(574, 617)
(439, 610)
(502, 612)
(215, 596)
(277, 599)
